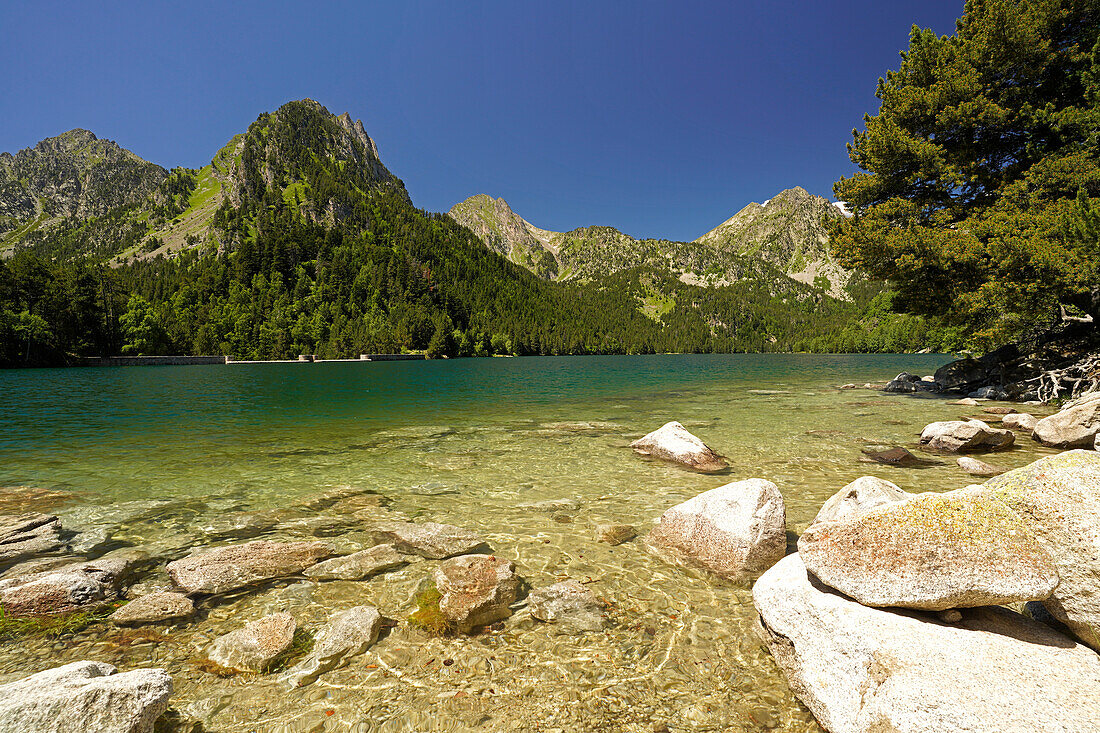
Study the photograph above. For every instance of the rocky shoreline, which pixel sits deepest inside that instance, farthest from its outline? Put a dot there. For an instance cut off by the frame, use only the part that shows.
(882, 581)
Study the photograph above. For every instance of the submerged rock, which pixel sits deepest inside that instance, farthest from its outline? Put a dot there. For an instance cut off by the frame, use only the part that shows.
(862, 495)
(954, 436)
(959, 549)
(154, 608)
(222, 569)
(1020, 421)
(615, 534)
(551, 505)
(347, 634)
(359, 565)
(672, 442)
(85, 696)
(1075, 426)
(476, 590)
(27, 535)
(254, 647)
(429, 539)
(569, 603)
(892, 457)
(978, 468)
(869, 670)
(733, 531)
(1059, 496)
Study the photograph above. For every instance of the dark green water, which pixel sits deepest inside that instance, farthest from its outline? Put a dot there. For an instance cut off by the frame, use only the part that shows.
(163, 457)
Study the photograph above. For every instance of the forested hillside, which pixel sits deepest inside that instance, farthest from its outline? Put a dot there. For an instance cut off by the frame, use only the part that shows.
(310, 245)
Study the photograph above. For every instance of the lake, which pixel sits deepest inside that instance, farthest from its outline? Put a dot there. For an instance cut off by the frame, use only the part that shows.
(170, 458)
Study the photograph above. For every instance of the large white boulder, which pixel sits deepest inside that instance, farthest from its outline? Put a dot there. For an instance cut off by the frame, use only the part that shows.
(85, 696)
(868, 670)
(962, 548)
(672, 442)
(862, 495)
(735, 531)
(1059, 497)
(1074, 426)
(1020, 421)
(956, 436)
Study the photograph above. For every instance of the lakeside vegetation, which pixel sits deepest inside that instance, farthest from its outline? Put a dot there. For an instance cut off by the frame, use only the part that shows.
(979, 196)
(326, 255)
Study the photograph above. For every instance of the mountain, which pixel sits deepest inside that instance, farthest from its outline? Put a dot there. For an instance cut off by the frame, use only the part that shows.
(593, 252)
(76, 194)
(784, 237)
(788, 231)
(297, 239)
(69, 179)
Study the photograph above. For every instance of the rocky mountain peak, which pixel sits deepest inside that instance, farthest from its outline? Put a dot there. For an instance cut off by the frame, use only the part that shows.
(789, 231)
(74, 174)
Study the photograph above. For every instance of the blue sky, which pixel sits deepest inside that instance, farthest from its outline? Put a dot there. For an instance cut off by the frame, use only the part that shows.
(658, 118)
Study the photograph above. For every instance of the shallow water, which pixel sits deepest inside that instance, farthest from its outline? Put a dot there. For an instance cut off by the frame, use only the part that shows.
(168, 458)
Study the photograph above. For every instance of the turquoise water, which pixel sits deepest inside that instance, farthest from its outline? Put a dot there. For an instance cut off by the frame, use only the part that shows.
(165, 458)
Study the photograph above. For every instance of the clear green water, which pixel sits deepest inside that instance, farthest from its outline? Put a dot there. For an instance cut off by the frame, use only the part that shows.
(167, 457)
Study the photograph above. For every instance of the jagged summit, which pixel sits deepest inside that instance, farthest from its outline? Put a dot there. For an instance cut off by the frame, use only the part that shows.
(72, 175)
(78, 194)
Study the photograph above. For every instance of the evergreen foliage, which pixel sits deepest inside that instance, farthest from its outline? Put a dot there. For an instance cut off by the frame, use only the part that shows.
(980, 189)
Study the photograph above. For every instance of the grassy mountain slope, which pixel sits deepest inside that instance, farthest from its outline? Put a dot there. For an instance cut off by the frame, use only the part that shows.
(789, 232)
(594, 252)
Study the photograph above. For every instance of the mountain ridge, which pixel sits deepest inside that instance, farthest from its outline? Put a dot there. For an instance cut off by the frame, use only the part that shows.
(296, 238)
(788, 233)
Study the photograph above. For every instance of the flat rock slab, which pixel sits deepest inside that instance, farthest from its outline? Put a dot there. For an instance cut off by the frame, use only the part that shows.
(67, 589)
(956, 436)
(359, 565)
(155, 608)
(568, 603)
(27, 535)
(959, 549)
(347, 634)
(734, 531)
(672, 442)
(1059, 497)
(1075, 426)
(85, 696)
(254, 647)
(868, 670)
(476, 590)
(429, 539)
(860, 496)
(223, 569)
